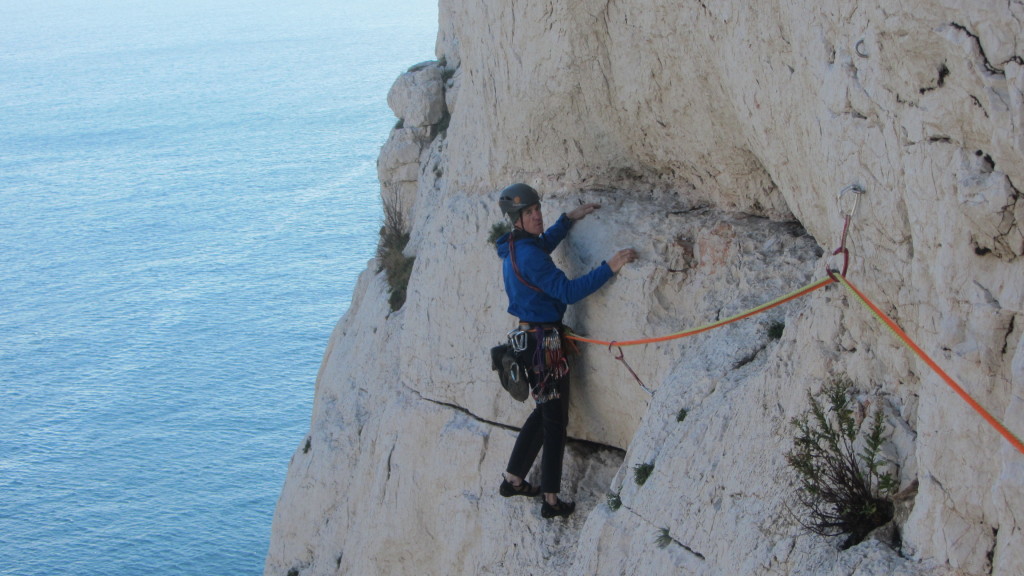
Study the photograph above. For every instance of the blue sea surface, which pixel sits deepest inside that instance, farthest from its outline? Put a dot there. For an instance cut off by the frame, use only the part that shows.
(188, 192)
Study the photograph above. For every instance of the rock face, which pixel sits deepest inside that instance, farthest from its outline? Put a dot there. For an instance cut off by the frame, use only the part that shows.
(716, 135)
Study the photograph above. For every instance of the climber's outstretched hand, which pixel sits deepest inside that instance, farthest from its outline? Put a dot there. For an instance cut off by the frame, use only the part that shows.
(621, 258)
(581, 212)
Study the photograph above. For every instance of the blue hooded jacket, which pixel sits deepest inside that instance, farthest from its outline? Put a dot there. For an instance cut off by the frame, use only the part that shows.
(533, 257)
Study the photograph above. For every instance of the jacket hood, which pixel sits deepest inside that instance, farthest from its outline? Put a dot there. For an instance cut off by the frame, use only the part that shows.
(502, 244)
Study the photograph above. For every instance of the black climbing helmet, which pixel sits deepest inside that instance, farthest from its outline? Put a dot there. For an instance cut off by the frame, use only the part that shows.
(515, 198)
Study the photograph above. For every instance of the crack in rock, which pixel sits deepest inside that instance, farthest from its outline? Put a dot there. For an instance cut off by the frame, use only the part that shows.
(674, 540)
(588, 444)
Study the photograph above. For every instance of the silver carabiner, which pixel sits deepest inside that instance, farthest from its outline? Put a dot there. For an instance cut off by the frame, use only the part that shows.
(517, 338)
(858, 191)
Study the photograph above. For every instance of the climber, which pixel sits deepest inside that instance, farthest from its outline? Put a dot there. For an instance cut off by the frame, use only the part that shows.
(538, 293)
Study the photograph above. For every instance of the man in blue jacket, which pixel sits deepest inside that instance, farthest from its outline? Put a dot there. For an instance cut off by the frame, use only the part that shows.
(538, 294)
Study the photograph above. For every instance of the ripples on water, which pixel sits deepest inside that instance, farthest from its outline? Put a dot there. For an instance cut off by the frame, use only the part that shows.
(187, 194)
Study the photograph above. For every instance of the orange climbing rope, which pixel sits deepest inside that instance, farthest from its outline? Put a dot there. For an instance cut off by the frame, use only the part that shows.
(621, 357)
(767, 306)
(992, 420)
(834, 275)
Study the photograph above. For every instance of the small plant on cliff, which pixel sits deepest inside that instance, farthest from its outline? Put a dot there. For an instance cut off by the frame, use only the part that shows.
(775, 330)
(499, 230)
(842, 492)
(614, 501)
(664, 538)
(641, 472)
(394, 236)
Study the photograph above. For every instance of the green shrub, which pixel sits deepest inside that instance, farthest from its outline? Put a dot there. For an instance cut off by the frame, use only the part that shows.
(664, 538)
(614, 501)
(391, 259)
(499, 230)
(641, 472)
(681, 415)
(841, 491)
(775, 330)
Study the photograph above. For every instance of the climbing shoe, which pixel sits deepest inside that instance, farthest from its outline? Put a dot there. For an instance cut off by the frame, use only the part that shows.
(524, 489)
(557, 509)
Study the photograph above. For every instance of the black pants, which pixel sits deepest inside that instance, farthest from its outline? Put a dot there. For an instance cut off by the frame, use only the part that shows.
(545, 427)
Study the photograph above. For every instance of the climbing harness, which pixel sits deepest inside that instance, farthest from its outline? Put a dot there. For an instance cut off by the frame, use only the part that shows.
(549, 364)
(834, 276)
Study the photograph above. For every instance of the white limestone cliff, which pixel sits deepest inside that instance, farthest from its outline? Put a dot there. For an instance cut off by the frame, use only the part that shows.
(717, 136)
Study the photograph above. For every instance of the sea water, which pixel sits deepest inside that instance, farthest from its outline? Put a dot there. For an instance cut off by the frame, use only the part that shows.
(187, 194)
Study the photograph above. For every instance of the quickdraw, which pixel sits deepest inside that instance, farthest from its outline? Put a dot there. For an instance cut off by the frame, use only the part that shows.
(847, 217)
(622, 358)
